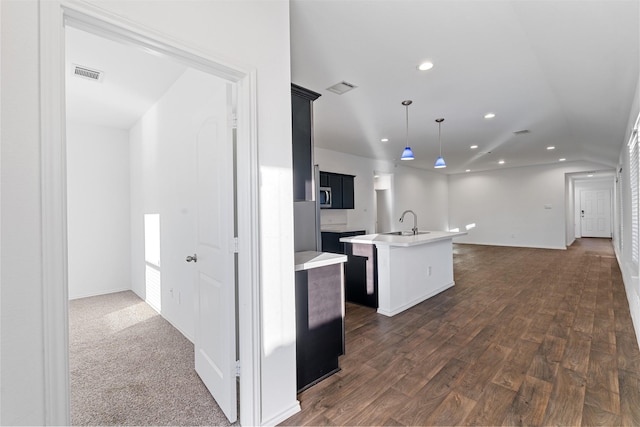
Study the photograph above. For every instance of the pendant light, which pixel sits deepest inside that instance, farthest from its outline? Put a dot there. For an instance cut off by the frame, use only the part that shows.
(440, 161)
(407, 154)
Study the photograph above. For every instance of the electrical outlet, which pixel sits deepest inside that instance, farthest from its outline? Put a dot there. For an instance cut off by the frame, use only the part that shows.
(429, 271)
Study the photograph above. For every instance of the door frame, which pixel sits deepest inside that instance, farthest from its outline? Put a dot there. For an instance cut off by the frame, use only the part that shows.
(53, 16)
(579, 183)
(579, 212)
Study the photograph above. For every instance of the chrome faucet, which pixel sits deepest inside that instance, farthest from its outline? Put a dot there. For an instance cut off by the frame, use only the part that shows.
(415, 220)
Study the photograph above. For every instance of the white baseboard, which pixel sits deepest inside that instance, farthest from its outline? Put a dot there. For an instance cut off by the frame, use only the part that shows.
(277, 419)
(95, 294)
(563, 248)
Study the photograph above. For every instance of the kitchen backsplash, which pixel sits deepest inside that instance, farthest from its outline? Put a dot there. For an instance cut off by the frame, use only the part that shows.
(333, 217)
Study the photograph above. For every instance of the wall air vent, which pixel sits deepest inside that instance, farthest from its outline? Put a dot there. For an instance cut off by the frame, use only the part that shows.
(87, 73)
(522, 132)
(342, 87)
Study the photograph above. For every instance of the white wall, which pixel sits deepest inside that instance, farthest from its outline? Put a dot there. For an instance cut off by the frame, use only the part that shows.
(163, 159)
(422, 191)
(22, 361)
(514, 206)
(425, 193)
(622, 243)
(569, 206)
(98, 210)
(252, 33)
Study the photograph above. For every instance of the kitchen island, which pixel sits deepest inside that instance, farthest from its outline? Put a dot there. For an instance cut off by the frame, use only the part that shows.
(411, 268)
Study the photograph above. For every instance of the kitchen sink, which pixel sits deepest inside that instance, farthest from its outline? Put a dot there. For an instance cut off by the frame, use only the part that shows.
(405, 233)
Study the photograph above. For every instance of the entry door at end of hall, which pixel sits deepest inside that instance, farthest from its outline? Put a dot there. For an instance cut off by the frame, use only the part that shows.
(595, 213)
(215, 332)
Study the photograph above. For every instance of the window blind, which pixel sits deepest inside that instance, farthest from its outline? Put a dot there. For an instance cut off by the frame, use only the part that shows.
(633, 187)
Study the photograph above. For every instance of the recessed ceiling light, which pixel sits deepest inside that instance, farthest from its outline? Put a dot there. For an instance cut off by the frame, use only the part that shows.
(427, 65)
(468, 170)
(562, 159)
(489, 115)
(473, 147)
(590, 175)
(551, 147)
(384, 140)
(501, 162)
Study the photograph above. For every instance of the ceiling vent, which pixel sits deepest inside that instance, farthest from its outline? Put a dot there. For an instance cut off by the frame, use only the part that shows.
(342, 87)
(522, 132)
(87, 73)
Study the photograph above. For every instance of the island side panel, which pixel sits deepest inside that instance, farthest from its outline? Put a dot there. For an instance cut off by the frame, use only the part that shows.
(384, 278)
(409, 275)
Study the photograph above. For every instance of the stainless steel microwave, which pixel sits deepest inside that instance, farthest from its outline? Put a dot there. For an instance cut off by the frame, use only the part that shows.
(325, 197)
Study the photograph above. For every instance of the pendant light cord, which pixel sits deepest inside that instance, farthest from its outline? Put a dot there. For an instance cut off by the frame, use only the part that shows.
(407, 115)
(439, 140)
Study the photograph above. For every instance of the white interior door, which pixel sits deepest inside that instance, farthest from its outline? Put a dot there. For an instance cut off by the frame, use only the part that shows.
(595, 213)
(215, 334)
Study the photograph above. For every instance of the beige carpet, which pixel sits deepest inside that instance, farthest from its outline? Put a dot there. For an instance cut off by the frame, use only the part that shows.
(129, 366)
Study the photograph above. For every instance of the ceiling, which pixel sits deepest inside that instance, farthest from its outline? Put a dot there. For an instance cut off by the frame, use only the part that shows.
(563, 70)
(132, 80)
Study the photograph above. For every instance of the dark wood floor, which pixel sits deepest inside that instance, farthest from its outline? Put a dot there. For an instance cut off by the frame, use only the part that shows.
(526, 337)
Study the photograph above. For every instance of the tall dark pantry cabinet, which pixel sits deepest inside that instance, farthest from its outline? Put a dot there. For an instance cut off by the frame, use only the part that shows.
(319, 285)
(302, 135)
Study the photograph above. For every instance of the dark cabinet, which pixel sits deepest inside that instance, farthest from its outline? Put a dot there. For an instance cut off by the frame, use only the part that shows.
(302, 137)
(347, 192)
(360, 270)
(361, 275)
(319, 324)
(324, 179)
(342, 189)
(331, 240)
(335, 182)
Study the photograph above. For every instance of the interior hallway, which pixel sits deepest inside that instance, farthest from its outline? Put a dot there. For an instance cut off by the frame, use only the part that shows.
(527, 336)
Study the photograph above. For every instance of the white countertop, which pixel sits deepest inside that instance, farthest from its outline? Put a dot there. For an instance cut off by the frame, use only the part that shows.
(411, 240)
(307, 260)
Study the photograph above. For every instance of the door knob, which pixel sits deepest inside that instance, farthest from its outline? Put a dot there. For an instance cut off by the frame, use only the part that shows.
(193, 258)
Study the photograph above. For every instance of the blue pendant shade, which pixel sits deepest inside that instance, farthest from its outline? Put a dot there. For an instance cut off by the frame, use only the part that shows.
(407, 154)
(439, 161)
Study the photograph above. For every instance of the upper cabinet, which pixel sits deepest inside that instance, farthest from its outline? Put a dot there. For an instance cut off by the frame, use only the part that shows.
(341, 189)
(302, 135)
